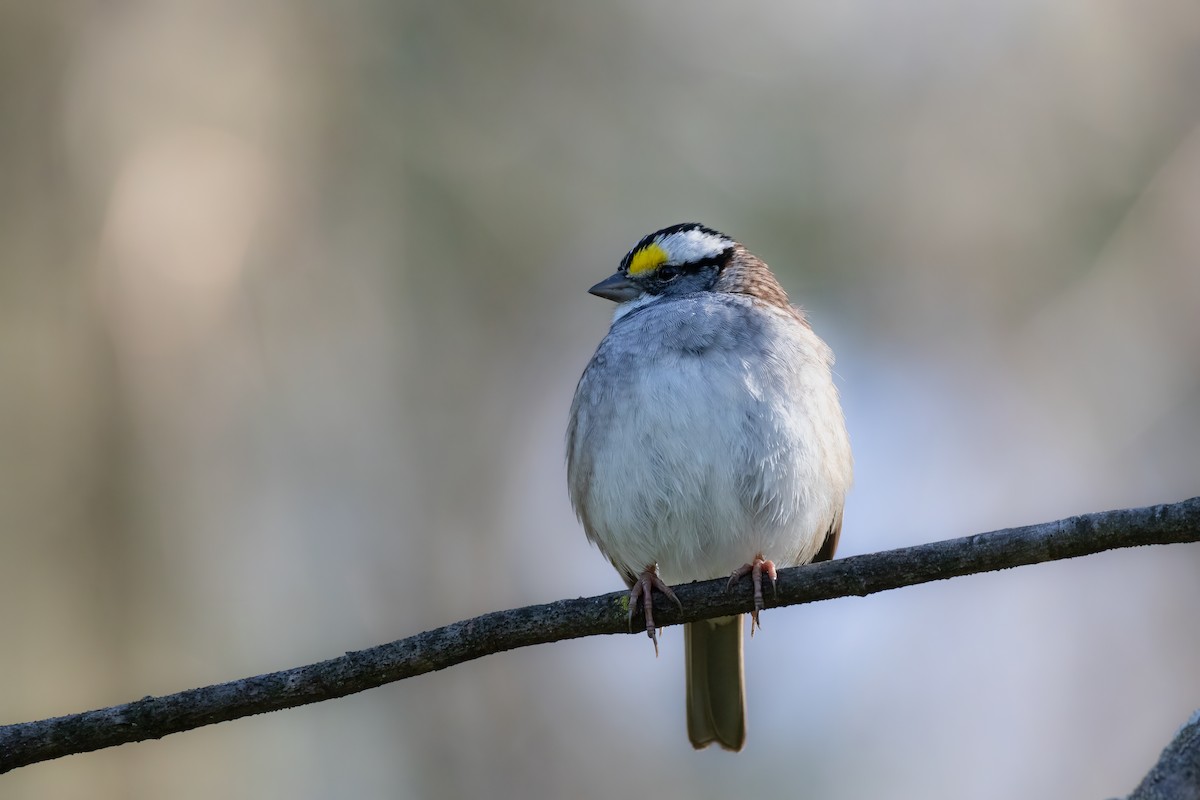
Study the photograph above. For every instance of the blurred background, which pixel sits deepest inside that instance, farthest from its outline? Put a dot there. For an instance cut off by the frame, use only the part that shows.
(293, 302)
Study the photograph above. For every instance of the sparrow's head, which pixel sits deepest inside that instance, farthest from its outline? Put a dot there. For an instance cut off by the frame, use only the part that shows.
(688, 258)
(677, 260)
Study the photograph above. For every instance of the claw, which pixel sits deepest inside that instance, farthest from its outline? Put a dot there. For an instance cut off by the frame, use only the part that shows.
(755, 570)
(643, 591)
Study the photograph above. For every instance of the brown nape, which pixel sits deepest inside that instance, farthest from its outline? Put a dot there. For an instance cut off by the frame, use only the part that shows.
(745, 273)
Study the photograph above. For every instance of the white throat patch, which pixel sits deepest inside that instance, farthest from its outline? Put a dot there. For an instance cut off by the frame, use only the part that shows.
(629, 306)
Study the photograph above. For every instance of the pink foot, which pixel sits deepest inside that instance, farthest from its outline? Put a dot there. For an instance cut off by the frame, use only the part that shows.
(643, 590)
(755, 570)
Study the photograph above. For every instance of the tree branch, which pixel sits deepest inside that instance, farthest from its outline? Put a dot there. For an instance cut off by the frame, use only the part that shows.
(155, 717)
(1176, 776)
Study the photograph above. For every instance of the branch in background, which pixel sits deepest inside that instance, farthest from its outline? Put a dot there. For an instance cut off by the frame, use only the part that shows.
(155, 717)
(1176, 776)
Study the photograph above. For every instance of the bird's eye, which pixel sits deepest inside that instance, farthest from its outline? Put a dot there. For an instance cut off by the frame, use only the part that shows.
(668, 272)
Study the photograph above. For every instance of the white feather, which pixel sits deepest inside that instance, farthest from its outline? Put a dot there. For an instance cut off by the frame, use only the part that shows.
(703, 449)
(693, 245)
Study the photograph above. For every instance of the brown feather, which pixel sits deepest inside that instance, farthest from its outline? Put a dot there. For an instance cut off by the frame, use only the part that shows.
(746, 273)
(832, 536)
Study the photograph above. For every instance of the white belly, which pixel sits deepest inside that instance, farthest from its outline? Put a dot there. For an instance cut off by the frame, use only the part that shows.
(704, 461)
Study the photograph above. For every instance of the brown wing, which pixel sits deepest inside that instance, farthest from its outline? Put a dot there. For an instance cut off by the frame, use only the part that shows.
(831, 540)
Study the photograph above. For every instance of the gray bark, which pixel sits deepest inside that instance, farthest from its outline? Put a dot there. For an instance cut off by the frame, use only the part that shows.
(1176, 776)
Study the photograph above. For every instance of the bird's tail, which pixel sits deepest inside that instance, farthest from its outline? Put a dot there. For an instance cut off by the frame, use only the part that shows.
(716, 689)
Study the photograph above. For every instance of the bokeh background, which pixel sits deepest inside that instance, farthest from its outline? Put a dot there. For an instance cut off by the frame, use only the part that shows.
(292, 306)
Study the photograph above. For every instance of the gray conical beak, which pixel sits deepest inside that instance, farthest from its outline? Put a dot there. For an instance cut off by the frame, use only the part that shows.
(615, 287)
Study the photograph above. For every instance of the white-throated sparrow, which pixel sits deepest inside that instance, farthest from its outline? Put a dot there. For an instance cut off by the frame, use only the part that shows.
(706, 439)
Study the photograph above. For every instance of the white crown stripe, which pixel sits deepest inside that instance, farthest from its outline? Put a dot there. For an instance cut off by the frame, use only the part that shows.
(687, 246)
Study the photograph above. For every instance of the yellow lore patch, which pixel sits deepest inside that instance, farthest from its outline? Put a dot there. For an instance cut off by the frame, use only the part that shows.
(648, 259)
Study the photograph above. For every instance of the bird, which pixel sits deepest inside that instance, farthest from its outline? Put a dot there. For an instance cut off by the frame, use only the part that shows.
(706, 439)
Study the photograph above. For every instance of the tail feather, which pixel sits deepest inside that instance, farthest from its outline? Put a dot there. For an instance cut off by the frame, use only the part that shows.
(716, 690)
